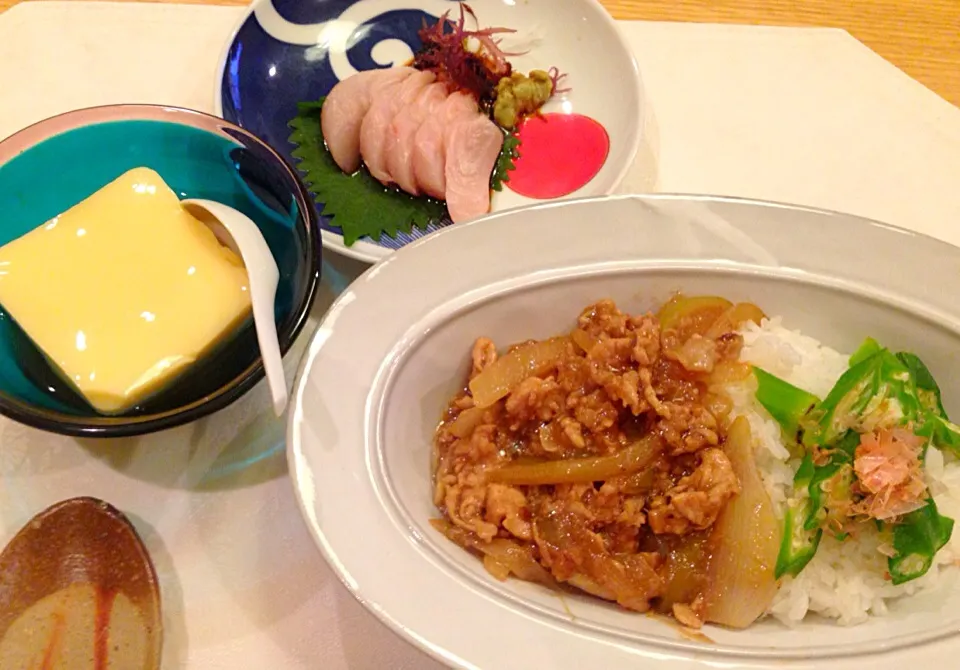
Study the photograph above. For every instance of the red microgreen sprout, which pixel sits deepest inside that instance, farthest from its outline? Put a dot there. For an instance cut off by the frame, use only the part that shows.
(445, 53)
(556, 77)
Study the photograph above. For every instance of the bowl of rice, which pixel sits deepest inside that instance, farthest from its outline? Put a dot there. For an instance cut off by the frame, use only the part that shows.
(696, 431)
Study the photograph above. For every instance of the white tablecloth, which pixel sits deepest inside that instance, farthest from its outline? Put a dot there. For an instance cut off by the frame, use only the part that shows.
(799, 115)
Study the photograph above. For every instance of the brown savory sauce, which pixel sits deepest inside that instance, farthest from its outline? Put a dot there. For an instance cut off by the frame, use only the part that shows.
(597, 458)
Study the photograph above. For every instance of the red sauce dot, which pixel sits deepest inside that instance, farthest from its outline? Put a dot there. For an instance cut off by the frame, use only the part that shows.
(559, 153)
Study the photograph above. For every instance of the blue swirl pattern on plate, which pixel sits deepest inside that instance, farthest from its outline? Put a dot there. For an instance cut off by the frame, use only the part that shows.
(264, 77)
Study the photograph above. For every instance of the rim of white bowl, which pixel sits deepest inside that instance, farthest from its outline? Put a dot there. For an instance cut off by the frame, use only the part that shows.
(685, 655)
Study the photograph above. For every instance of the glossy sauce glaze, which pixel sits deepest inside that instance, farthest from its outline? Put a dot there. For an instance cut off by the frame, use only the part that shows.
(606, 459)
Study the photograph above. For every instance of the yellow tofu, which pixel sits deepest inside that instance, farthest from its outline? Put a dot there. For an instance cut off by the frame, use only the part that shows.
(124, 291)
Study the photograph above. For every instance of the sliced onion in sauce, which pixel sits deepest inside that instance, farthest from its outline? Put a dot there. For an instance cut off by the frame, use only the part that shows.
(501, 556)
(547, 435)
(729, 372)
(638, 483)
(503, 375)
(718, 404)
(696, 354)
(700, 312)
(581, 470)
(466, 422)
(744, 541)
(584, 583)
(629, 579)
(584, 340)
(734, 318)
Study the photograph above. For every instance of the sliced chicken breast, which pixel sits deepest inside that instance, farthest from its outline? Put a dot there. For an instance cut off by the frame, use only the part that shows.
(387, 102)
(429, 155)
(402, 135)
(472, 147)
(344, 109)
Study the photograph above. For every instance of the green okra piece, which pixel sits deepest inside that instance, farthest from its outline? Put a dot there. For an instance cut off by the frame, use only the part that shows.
(917, 538)
(786, 403)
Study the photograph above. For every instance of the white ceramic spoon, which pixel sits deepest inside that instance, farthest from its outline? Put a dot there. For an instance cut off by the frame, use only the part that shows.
(235, 230)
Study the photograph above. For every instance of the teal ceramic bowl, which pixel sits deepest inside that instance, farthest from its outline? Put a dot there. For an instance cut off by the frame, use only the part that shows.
(47, 168)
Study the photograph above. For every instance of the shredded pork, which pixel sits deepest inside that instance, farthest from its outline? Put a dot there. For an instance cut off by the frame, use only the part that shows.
(621, 378)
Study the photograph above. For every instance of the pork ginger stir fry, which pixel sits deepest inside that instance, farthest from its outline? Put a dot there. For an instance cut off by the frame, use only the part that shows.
(603, 459)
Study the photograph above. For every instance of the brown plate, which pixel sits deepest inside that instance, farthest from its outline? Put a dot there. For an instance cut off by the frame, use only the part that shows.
(78, 590)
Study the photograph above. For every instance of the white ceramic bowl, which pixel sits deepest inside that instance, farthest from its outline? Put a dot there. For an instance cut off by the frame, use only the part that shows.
(395, 347)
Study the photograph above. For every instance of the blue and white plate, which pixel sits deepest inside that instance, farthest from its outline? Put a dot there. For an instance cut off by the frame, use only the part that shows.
(290, 51)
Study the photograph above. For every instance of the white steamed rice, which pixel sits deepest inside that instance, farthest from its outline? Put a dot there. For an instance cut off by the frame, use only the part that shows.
(845, 580)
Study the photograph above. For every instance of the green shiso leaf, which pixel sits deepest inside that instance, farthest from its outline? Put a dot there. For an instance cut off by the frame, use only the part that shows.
(506, 162)
(359, 205)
